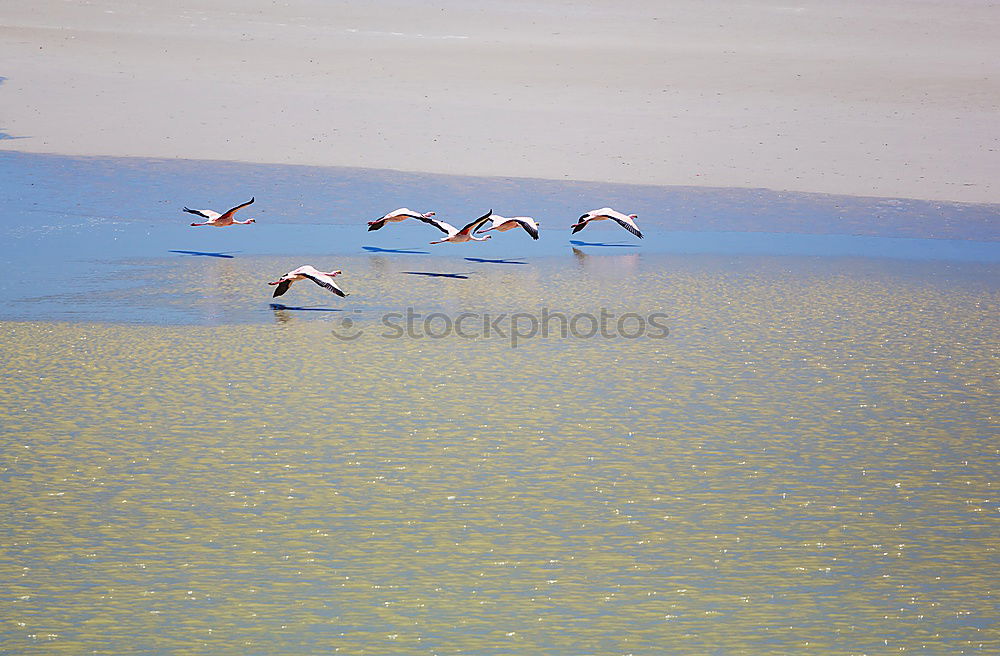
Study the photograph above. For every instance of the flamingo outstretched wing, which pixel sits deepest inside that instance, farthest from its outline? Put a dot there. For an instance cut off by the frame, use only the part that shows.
(205, 214)
(446, 228)
(324, 280)
(475, 225)
(282, 287)
(529, 227)
(627, 223)
(233, 210)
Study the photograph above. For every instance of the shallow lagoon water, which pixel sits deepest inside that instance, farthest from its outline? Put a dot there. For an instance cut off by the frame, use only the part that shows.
(804, 463)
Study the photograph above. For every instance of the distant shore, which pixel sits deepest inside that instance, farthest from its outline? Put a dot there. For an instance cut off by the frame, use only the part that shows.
(893, 99)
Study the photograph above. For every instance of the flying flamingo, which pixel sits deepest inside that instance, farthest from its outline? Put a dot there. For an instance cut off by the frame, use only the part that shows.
(625, 221)
(220, 220)
(503, 224)
(396, 216)
(321, 278)
(456, 236)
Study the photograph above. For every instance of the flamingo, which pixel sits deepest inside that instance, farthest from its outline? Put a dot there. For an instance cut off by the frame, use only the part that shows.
(396, 216)
(220, 220)
(503, 224)
(456, 236)
(321, 278)
(625, 221)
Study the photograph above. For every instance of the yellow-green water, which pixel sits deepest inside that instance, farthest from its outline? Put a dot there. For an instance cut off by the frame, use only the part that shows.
(806, 464)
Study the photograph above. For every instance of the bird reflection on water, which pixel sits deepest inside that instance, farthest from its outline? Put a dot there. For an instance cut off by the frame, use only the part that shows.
(627, 262)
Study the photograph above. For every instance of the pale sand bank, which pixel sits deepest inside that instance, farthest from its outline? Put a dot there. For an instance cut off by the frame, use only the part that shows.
(894, 99)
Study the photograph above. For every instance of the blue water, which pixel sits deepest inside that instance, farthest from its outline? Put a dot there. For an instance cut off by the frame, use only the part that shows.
(154, 190)
(72, 228)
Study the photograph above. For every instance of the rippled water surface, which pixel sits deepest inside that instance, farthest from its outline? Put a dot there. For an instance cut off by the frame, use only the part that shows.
(799, 456)
(806, 463)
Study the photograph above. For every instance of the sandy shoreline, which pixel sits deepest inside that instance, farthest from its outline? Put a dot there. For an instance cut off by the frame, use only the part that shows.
(897, 100)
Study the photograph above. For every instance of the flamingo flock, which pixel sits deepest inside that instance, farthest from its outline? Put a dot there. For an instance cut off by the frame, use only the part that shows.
(472, 231)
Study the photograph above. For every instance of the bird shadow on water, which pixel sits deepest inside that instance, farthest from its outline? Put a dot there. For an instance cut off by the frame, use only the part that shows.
(489, 261)
(432, 274)
(284, 313)
(619, 244)
(407, 251)
(298, 308)
(205, 253)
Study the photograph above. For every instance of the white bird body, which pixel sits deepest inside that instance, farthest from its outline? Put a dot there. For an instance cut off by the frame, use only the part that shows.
(626, 221)
(396, 216)
(321, 278)
(213, 218)
(456, 236)
(504, 223)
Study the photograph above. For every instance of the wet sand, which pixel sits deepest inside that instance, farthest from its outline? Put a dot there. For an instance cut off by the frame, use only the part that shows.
(891, 99)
